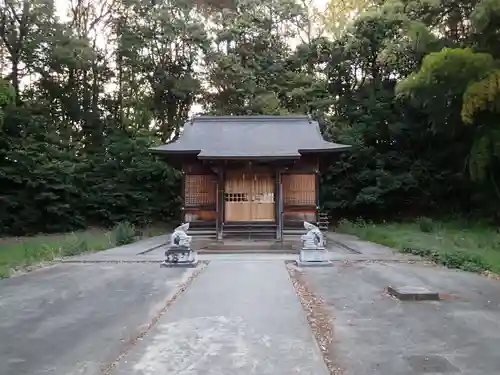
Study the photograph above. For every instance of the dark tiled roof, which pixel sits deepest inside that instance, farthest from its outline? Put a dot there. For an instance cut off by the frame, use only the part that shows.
(219, 137)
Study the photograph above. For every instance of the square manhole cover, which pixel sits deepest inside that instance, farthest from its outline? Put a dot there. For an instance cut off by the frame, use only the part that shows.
(424, 364)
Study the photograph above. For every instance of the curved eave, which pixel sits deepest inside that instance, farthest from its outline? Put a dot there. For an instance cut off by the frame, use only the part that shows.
(325, 150)
(174, 152)
(220, 157)
(250, 157)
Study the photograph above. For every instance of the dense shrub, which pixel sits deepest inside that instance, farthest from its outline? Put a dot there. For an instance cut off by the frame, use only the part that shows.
(451, 259)
(49, 188)
(426, 224)
(124, 233)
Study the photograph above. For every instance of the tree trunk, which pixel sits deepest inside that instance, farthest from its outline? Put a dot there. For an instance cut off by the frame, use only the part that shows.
(15, 77)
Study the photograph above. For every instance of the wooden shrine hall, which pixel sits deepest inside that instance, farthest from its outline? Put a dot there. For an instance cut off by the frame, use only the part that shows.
(251, 176)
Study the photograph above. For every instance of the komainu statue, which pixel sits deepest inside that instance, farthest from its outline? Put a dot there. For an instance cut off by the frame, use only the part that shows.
(313, 239)
(179, 237)
(179, 251)
(313, 251)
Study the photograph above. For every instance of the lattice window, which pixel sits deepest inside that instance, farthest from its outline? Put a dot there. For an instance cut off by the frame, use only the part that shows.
(299, 189)
(236, 197)
(199, 190)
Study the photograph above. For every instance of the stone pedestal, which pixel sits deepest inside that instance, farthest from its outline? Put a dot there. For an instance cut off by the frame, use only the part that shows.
(180, 256)
(313, 258)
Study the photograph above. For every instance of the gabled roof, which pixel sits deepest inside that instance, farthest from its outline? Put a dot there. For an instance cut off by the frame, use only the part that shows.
(248, 137)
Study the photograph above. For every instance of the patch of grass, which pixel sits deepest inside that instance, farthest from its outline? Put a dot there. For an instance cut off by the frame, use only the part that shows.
(471, 247)
(4, 272)
(17, 253)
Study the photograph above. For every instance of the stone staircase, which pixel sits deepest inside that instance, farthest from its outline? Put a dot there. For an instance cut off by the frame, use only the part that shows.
(250, 246)
(265, 230)
(249, 230)
(202, 229)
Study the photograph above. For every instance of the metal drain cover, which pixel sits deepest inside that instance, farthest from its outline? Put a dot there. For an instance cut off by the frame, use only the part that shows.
(413, 293)
(424, 364)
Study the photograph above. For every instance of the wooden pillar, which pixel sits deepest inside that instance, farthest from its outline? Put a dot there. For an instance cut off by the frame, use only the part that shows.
(183, 197)
(278, 199)
(318, 181)
(220, 204)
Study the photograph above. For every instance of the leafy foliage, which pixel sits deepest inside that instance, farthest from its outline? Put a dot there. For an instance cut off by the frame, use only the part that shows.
(483, 95)
(412, 85)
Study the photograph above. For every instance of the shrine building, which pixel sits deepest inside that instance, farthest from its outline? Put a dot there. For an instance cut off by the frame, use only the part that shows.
(251, 176)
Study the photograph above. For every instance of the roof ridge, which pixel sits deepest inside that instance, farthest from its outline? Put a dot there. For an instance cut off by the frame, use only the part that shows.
(250, 118)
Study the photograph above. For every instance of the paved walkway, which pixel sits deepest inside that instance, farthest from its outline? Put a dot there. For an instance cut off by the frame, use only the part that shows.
(237, 318)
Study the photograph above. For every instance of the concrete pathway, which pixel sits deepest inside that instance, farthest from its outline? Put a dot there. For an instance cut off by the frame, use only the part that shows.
(237, 318)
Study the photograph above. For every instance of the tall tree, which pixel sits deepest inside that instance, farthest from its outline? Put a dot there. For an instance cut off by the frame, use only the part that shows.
(163, 54)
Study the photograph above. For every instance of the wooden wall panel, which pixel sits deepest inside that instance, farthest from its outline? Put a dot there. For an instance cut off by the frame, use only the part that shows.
(195, 167)
(306, 164)
(293, 214)
(299, 189)
(191, 215)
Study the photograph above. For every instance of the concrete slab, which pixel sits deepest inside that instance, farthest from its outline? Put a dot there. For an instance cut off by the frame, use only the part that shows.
(122, 252)
(431, 364)
(379, 335)
(357, 246)
(238, 318)
(75, 318)
(413, 293)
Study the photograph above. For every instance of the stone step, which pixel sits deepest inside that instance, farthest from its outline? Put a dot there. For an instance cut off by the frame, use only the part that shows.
(244, 245)
(243, 250)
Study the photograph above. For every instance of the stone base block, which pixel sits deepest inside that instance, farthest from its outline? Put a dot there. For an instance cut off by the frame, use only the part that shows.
(316, 255)
(313, 258)
(179, 264)
(314, 264)
(413, 293)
